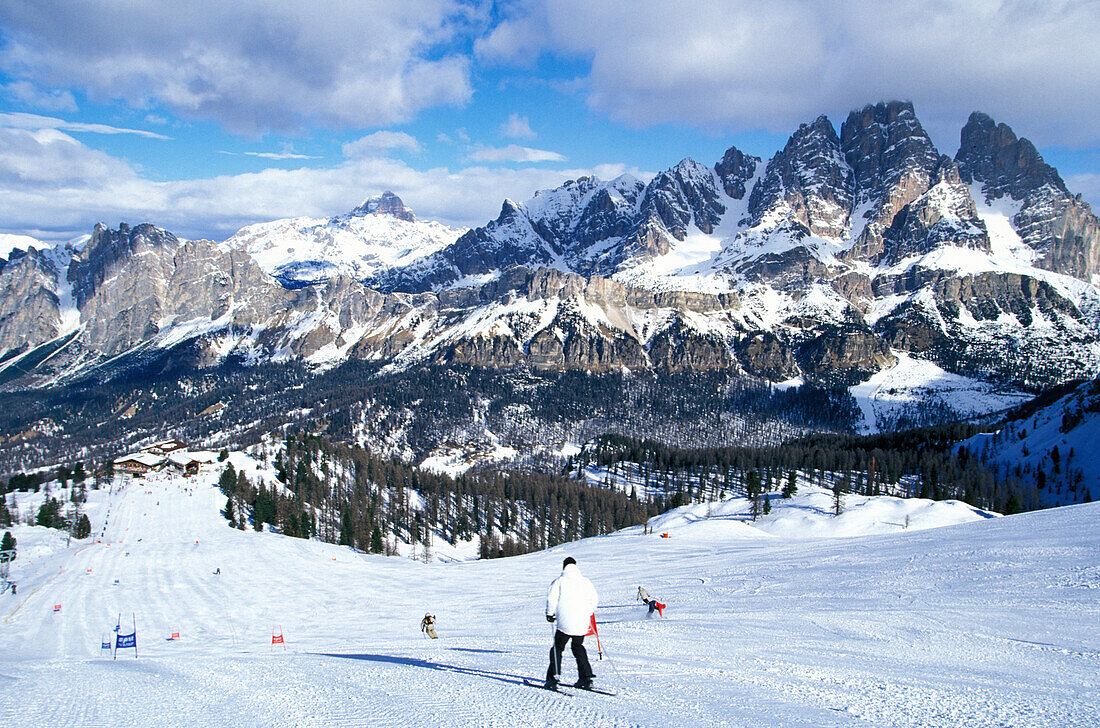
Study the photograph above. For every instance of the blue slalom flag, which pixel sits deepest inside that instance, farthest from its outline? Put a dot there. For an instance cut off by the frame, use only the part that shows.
(105, 646)
(126, 640)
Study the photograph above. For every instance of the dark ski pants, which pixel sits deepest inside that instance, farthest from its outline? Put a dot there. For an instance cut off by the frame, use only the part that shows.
(584, 670)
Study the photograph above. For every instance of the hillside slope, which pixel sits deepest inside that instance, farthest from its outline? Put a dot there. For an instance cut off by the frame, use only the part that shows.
(983, 623)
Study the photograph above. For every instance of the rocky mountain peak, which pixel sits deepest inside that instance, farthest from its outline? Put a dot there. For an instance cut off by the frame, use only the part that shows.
(991, 153)
(684, 194)
(386, 204)
(107, 248)
(893, 162)
(807, 185)
(882, 143)
(735, 169)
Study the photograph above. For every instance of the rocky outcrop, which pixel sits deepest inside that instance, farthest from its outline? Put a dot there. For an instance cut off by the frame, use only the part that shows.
(29, 306)
(844, 356)
(735, 170)
(109, 250)
(942, 216)
(762, 354)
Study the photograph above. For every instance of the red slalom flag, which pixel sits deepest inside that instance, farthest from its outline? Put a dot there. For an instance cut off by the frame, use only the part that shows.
(593, 631)
(276, 639)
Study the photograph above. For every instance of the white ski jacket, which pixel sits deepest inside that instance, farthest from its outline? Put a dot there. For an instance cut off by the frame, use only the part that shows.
(573, 599)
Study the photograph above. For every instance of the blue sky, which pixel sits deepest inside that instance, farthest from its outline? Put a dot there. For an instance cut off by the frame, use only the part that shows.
(203, 117)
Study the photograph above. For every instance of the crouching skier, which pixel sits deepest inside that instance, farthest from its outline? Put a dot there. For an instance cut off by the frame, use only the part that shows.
(571, 602)
(427, 625)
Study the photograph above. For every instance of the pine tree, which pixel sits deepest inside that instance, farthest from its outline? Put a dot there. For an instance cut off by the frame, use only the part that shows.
(767, 505)
(8, 544)
(228, 480)
(376, 540)
(840, 486)
(83, 527)
(791, 486)
(49, 514)
(754, 491)
(230, 515)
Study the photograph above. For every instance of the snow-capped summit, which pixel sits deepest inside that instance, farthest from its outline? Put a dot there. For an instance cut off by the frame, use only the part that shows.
(377, 235)
(385, 204)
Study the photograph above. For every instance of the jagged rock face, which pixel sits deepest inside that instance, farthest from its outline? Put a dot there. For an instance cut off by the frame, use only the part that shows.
(678, 349)
(989, 295)
(108, 250)
(845, 356)
(735, 169)
(1059, 226)
(29, 306)
(388, 204)
(683, 195)
(764, 355)
(893, 162)
(138, 263)
(991, 153)
(808, 185)
(944, 215)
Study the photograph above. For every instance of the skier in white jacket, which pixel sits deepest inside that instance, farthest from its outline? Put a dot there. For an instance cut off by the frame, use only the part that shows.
(571, 602)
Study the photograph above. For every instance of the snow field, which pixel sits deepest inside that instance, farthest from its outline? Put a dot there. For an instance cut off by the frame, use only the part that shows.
(991, 622)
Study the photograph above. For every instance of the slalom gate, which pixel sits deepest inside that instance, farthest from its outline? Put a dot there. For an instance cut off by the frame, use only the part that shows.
(277, 637)
(125, 641)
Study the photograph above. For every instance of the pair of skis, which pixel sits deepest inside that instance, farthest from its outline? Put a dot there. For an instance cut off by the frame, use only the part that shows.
(564, 690)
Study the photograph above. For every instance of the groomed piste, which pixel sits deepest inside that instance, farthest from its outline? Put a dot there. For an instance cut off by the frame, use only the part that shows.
(802, 619)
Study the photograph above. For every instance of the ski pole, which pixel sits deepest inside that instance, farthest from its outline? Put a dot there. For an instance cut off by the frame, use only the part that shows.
(554, 651)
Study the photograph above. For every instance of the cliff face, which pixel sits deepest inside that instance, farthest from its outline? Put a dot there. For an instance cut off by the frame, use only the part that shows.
(826, 262)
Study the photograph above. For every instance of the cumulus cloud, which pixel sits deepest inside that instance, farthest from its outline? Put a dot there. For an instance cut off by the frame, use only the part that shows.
(57, 187)
(513, 153)
(19, 120)
(517, 127)
(380, 143)
(770, 64)
(273, 64)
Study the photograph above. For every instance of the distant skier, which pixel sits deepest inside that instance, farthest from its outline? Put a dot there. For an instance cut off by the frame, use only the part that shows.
(643, 595)
(427, 626)
(571, 602)
(654, 606)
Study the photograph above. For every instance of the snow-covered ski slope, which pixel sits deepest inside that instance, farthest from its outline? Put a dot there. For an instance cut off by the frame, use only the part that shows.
(995, 622)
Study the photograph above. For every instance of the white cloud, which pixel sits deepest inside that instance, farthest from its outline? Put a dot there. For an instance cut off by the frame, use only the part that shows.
(380, 143)
(271, 155)
(271, 64)
(27, 94)
(513, 153)
(19, 120)
(57, 187)
(770, 64)
(517, 127)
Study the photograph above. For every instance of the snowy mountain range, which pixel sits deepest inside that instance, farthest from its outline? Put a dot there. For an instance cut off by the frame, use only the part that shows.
(843, 256)
(378, 235)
